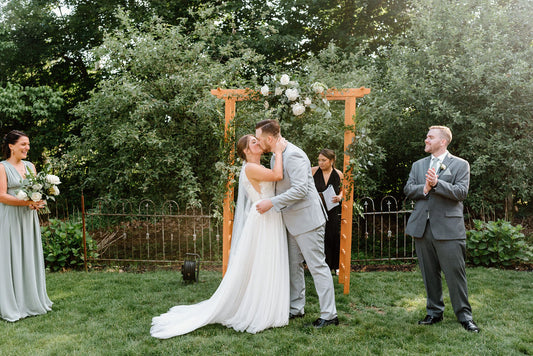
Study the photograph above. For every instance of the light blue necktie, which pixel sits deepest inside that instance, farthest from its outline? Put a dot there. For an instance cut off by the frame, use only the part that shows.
(435, 163)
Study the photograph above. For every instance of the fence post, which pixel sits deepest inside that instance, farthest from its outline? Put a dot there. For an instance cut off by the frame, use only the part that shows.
(84, 231)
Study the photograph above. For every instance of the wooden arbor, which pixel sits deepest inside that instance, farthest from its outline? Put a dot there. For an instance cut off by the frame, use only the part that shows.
(231, 96)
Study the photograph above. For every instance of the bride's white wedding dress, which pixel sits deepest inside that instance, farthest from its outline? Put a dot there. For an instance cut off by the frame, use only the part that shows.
(254, 293)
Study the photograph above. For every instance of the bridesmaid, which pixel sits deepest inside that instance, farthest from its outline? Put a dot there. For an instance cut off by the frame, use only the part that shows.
(326, 174)
(22, 277)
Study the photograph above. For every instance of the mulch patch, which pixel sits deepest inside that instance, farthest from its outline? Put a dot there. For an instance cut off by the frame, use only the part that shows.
(528, 267)
(382, 268)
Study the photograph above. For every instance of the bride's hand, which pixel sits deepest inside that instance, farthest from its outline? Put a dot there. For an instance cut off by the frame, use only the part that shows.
(280, 145)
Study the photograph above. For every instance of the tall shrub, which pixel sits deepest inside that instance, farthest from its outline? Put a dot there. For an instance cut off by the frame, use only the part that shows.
(152, 128)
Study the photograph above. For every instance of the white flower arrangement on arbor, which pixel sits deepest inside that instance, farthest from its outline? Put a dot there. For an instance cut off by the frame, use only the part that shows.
(284, 98)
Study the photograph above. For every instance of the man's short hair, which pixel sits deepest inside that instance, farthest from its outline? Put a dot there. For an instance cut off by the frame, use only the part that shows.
(445, 132)
(270, 127)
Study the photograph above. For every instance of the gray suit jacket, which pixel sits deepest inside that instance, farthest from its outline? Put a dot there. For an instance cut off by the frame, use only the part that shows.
(296, 196)
(443, 204)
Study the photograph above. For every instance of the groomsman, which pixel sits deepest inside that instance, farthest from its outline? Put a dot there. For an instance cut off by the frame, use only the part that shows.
(439, 184)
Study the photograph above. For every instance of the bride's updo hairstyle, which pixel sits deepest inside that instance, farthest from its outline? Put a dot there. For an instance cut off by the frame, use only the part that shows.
(10, 139)
(242, 145)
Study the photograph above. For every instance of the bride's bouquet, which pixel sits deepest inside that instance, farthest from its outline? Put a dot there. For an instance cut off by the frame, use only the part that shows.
(40, 186)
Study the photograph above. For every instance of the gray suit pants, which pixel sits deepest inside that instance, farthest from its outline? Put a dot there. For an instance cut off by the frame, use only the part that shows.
(447, 256)
(309, 246)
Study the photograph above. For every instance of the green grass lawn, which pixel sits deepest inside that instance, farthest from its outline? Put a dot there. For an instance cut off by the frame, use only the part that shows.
(109, 313)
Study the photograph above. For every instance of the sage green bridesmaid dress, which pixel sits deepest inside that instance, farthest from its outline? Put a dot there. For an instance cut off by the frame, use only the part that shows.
(22, 277)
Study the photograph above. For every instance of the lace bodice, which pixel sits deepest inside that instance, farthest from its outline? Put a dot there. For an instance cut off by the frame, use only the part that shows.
(267, 189)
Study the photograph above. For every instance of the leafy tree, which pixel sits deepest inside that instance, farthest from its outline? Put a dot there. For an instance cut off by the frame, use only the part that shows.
(465, 65)
(286, 32)
(29, 109)
(45, 49)
(152, 129)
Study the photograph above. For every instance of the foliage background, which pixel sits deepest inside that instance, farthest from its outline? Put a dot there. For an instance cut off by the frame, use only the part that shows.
(116, 93)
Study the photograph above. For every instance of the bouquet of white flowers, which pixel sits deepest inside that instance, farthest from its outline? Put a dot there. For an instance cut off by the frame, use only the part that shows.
(40, 186)
(285, 98)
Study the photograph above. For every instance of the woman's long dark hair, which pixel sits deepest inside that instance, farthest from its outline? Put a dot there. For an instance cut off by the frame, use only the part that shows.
(10, 139)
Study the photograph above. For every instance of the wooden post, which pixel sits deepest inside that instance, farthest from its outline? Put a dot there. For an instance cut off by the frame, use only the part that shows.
(228, 198)
(230, 96)
(345, 256)
(84, 232)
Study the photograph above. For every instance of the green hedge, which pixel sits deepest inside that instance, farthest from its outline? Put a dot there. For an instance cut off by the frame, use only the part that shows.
(497, 243)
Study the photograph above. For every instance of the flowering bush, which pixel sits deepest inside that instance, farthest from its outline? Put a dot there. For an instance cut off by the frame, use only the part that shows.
(40, 186)
(284, 98)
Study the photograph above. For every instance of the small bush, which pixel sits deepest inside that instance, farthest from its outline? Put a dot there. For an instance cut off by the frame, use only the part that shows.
(63, 245)
(497, 243)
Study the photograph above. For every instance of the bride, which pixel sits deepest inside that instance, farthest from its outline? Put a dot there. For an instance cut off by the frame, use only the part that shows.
(254, 293)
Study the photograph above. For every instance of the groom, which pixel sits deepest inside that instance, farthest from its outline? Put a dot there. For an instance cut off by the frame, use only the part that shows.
(298, 201)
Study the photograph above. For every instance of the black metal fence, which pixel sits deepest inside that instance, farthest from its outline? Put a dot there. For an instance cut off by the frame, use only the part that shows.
(378, 233)
(147, 233)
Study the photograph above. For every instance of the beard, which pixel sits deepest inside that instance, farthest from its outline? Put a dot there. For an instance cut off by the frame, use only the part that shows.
(265, 147)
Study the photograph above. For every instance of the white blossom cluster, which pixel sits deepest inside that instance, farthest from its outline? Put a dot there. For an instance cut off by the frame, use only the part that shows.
(286, 95)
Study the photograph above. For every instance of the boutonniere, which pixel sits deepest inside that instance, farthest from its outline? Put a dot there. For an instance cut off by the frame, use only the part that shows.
(442, 167)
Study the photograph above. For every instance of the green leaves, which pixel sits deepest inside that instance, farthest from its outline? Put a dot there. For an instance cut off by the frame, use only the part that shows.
(461, 65)
(497, 243)
(63, 245)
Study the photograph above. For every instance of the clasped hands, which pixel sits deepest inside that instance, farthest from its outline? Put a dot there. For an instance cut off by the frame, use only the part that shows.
(432, 178)
(37, 205)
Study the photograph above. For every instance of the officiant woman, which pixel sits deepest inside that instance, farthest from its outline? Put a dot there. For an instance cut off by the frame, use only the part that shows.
(326, 174)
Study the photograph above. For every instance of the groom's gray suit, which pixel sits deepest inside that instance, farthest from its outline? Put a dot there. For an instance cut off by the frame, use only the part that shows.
(437, 223)
(299, 203)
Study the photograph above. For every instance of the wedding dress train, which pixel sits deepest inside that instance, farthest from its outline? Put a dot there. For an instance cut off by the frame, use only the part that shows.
(254, 293)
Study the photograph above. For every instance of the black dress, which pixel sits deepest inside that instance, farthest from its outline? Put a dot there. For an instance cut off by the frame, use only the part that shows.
(333, 225)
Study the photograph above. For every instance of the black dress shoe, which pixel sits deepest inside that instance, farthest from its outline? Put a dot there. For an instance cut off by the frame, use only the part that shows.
(469, 325)
(320, 323)
(430, 320)
(294, 316)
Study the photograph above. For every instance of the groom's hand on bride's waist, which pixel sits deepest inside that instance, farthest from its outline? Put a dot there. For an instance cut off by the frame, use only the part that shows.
(263, 206)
